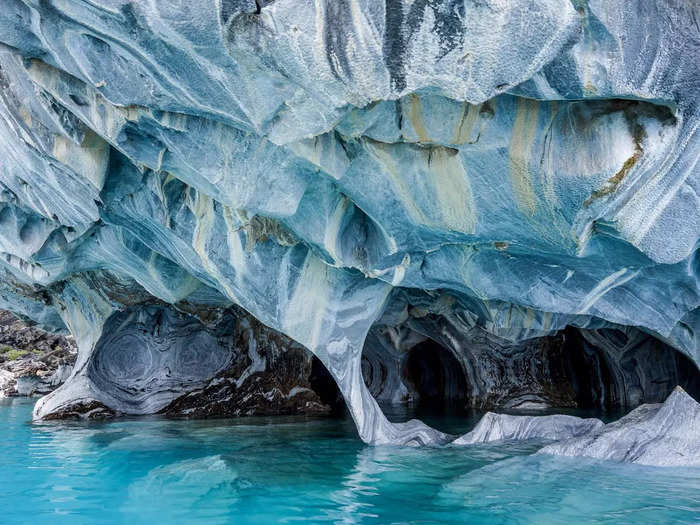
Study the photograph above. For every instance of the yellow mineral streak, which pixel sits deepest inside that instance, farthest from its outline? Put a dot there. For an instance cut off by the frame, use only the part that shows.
(524, 132)
(463, 131)
(89, 159)
(415, 115)
(613, 182)
(236, 250)
(305, 312)
(529, 320)
(383, 154)
(453, 206)
(453, 190)
(203, 210)
(25, 115)
(547, 172)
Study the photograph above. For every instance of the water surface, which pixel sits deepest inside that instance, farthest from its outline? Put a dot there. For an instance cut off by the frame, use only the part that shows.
(287, 470)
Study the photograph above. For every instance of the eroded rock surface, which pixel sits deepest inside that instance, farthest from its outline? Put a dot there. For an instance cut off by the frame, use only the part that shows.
(482, 175)
(501, 427)
(665, 434)
(421, 354)
(220, 362)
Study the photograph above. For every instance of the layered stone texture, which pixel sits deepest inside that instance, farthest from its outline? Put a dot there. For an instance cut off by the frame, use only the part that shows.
(512, 168)
(208, 362)
(665, 434)
(504, 427)
(424, 356)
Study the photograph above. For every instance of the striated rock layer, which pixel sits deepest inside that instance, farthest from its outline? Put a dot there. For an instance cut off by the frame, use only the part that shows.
(212, 363)
(665, 434)
(362, 177)
(503, 427)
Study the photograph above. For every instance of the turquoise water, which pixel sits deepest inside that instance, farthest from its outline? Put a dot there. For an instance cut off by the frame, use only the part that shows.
(289, 470)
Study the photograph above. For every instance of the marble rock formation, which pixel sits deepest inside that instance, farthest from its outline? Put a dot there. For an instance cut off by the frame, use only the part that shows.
(486, 176)
(424, 355)
(666, 434)
(501, 427)
(218, 363)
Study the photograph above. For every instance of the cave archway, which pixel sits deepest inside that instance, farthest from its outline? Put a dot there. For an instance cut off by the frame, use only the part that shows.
(604, 369)
(610, 369)
(435, 376)
(326, 388)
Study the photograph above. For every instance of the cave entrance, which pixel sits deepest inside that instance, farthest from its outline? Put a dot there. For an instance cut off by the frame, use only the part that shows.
(326, 388)
(611, 370)
(606, 369)
(435, 376)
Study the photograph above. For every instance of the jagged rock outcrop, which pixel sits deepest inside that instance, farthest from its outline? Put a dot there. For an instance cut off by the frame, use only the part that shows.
(665, 434)
(501, 427)
(661, 434)
(477, 172)
(32, 361)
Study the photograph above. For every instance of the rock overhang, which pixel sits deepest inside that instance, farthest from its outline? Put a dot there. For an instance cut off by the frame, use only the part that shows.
(314, 166)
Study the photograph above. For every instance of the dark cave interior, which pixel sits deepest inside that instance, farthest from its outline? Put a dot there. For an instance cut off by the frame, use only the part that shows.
(606, 370)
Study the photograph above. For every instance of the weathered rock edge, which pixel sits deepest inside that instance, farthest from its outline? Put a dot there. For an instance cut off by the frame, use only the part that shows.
(665, 434)
(32, 362)
(662, 434)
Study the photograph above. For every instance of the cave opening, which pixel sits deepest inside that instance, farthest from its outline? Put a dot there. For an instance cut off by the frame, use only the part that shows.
(604, 372)
(435, 376)
(326, 388)
(611, 370)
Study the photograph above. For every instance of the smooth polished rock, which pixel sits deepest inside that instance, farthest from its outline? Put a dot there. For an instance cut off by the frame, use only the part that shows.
(315, 162)
(664, 434)
(501, 427)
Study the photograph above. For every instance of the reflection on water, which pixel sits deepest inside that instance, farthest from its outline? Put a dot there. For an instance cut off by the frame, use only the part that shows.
(291, 469)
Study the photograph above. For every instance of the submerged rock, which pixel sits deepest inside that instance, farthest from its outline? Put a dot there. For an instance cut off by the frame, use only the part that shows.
(665, 434)
(501, 427)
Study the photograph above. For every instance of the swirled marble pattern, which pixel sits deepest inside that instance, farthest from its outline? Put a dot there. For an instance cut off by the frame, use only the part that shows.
(536, 161)
(147, 358)
(219, 362)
